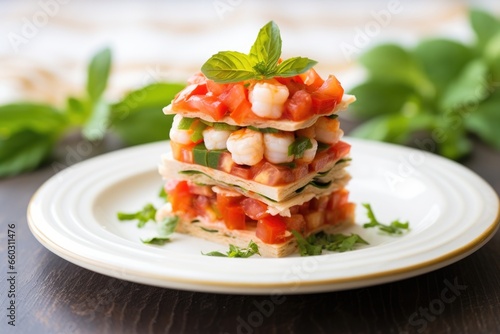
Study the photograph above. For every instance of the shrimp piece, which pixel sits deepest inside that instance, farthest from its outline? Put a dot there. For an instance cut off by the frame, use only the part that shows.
(177, 135)
(310, 153)
(215, 139)
(246, 146)
(328, 131)
(276, 147)
(309, 132)
(268, 99)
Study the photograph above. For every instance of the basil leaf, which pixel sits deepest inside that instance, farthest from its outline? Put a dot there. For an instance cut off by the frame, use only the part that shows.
(235, 251)
(137, 118)
(306, 248)
(160, 241)
(229, 66)
(294, 66)
(396, 227)
(167, 226)
(98, 73)
(485, 120)
(209, 230)
(147, 213)
(266, 50)
(299, 146)
(264, 130)
(96, 126)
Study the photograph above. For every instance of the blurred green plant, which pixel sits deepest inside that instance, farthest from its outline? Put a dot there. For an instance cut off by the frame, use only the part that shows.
(30, 131)
(433, 95)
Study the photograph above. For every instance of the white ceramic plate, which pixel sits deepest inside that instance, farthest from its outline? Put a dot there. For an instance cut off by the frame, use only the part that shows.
(452, 212)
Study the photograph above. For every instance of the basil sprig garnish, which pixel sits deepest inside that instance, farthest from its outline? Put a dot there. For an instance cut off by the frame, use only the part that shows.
(261, 63)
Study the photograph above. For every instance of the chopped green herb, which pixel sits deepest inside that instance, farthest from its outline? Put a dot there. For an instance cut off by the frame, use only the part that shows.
(160, 241)
(343, 160)
(315, 243)
(162, 193)
(225, 127)
(147, 213)
(395, 227)
(322, 147)
(333, 116)
(165, 228)
(235, 251)
(209, 230)
(264, 130)
(299, 146)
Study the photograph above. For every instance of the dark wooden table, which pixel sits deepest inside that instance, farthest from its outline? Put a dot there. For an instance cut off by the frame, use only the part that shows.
(55, 296)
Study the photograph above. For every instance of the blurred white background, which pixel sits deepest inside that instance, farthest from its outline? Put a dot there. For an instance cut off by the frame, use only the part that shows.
(45, 44)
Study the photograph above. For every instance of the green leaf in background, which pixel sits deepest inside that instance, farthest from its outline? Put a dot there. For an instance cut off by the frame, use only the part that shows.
(37, 117)
(75, 111)
(433, 53)
(484, 25)
(24, 151)
(98, 73)
(393, 63)
(485, 120)
(378, 98)
(492, 56)
(138, 118)
(470, 86)
(96, 126)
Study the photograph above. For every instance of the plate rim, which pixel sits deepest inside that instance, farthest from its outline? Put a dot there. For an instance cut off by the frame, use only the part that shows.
(307, 286)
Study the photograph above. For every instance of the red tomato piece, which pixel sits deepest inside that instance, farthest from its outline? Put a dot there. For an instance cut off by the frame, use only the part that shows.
(341, 149)
(234, 217)
(271, 230)
(198, 78)
(326, 97)
(270, 174)
(181, 152)
(244, 113)
(244, 172)
(298, 107)
(207, 104)
(216, 88)
(234, 96)
(181, 198)
(296, 222)
(254, 209)
(312, 79)
(225, 201)
(186, 93)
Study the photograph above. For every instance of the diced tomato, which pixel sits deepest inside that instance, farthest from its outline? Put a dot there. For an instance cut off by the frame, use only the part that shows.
(242, 171)
(296, 222)
(342, 214)
(234, 96)
(320, 161)
(200, 205)
(181, 198)
(216, 88)
(234, 217)
(225, 201)
(315, 219)
(181, 152)
(319, 203)
(312, 79)
(326, 97)
(300, 171)
(338, 198)
(298, 107)
(271, 230)
(270, 174)
(226, 162)
(254, 209)
(186, 93)
(208, 104)
(198, 78)
(244, 113)
(340, 149)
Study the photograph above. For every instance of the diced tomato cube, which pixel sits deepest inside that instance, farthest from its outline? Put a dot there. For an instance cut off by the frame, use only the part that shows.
(242, 171)
(234, 217)
(314, 219)
(234, 96)
(270, 174)
(340, 150)
(181, 98)
(271, 230)
(296, 222)
(198, 78)
(244, 113)
(312, 79)
(216, 88)
(326, 97)
(319, 203)
(298, 107)
(254, 209)
(181, 198)
(338, 198)
(181, 152)
(226, 162)
(208, 104)
(300, 171)
(320, 161)
(225, 201)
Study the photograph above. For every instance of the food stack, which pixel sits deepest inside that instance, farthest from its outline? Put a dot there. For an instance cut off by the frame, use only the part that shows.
(255, 156)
